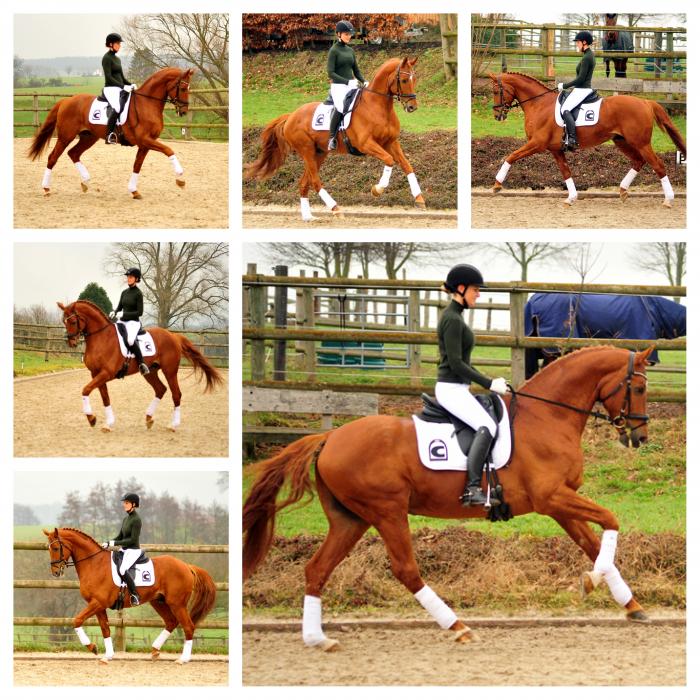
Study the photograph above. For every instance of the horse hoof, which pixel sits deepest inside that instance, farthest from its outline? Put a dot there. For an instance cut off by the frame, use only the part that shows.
(92, 648)
(83, 187)
(336, 211)
(465, 636)
(667, 203)
(624, 194)
(172, 428)
(377, 191)
(155, 653)
(420, 202)
(571, 202)
(136, 195)
(105, 660)
(181, 661)
(179, 183)
(638, 616)
(589, 581)
(92, 420)
(149, 422)
(497, 187)
(329, 645)
(106, 428)
(47, 191)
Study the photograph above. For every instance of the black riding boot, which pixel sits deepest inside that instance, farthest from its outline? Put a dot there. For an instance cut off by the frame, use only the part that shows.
(478, 452)
(143, 367)
(333, 130)
(570, 142)
(133, 595)
(111, 126)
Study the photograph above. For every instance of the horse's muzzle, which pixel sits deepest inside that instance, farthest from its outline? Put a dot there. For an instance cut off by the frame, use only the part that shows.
(411, 107)
(636, 436)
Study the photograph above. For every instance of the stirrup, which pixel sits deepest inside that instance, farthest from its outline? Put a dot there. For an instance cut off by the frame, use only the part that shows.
(333, 143)
(111, 137)
(473, 496)
(143, 368)
(134, 599)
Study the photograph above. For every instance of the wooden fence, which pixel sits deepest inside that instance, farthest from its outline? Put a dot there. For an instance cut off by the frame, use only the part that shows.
(118, 620)
(50, 340)
(182, 129)
(304, 330)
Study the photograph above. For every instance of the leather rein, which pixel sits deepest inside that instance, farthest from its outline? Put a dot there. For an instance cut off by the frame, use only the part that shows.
(515, 102)
(398, 95)
(82, 331)
(64, 561)
(176, 101)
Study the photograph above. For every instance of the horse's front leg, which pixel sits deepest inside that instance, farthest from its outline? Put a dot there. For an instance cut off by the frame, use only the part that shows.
(395, 150)
(134, 179)
(529, 149)
(98, 379)
(93, 608)
(155, 145)
(109, 413)
(101, 616)
(312, 164)
(566, 174)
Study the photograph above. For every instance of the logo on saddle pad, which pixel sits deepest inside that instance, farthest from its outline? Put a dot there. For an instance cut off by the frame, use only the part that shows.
(586, 114)
(99, 112)
(322, 115)
(145, 341)
(143, 574)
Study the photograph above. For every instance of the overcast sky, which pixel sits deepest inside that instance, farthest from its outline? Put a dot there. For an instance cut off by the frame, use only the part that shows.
(38, 488)
(53, 35)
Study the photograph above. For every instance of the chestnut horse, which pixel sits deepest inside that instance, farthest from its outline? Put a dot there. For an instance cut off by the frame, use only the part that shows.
(368, 473)
(183, 594)
(627, 120)
(374, 130)
(104, 359)
(69, 118)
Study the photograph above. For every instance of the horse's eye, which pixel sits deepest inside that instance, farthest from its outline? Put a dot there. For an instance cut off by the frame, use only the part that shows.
(639, 390)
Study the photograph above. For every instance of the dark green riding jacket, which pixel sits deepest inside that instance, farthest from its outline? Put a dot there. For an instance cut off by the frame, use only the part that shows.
(128, 537)
(584, 71)
(131, 304)
(456, 341)
(112, 67)
(342, 65)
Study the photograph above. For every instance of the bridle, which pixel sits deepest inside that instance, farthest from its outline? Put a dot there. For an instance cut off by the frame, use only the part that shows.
(64, 560)
(177, 101)
(81, 331)
(505, 107)
(620, 421)
(398, 95)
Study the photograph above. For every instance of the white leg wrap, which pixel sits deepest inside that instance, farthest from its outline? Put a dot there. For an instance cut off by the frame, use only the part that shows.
(503, 172)
(176, 417)
(46, 180)
(176, 164)
(386, 176)
(161, 639)
(620, 590)
(573, 194)
(87, 409)
(668, 190)
(628, 179)
(413, 184)
(606, 557)
(109, 648)
(427, 597)
(311, 630)
(306, 214)
(327, 199)
(109, 415)
(151, 410)
(84, 639)
(84, 174)
(186, 651)
(134, 182)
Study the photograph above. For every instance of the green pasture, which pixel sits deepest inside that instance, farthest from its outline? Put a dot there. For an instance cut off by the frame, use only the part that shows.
(276, 83)
(28, 363)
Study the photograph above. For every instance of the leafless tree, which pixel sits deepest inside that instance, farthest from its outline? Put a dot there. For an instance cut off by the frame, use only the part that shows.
(333, 259)
(583, 258)
(199, 40)
(525, 254)
(184, 283)
(667, 259)
(485, 36)
(36, 313)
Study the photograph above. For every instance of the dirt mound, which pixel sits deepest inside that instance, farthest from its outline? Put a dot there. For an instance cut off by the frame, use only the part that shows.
(349, 180)
(603, 166)
(474, 570)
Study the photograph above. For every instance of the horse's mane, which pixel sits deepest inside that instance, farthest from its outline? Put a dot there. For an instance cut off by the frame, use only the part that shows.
(93, 306)
(388, 65)
(80, 532)
(529, 77)
(156, 77)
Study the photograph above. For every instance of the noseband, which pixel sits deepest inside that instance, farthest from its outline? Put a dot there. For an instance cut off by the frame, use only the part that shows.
(398, 95)
(505, 107)
(621, 420)
(81, 331)
(177, 101)
(64, 560)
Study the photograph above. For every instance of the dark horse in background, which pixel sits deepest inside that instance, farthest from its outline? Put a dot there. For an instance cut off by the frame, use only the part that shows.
(615, 40)
(559, 315)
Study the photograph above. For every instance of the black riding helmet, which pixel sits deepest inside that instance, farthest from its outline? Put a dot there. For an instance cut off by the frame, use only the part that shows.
(133, 498)
(463, 274)
(344, 26)
(135, 272)
(113, 38)
(584, 36)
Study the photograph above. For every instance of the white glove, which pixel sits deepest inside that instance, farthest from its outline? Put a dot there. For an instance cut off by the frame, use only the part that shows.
(560, 87)
(499, 386)
(129, 88)
(366, 83)
(104, 545)
(353, 83)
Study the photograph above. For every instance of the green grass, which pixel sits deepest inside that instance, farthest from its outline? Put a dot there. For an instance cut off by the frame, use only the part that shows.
(29, 364)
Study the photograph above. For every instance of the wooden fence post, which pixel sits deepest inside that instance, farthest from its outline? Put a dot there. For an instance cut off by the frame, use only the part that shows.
(279, 371)
(305, 319)
(251, 269)
(488, 315)
(548, 46)
(517, 329)
(258, 307)
(35, 107)
(414, 325)
(120, 632)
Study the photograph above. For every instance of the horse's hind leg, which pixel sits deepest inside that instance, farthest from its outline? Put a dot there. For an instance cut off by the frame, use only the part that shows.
(345, 530)
(636, 161)
(565, 171)
(582, 534)
(159, 388)
(163, 609)
(647, 152)
(134, 179)
(61, 145)
(171, 378)
(183, 617)
(109, 413)
(312, 164)
(87, 140)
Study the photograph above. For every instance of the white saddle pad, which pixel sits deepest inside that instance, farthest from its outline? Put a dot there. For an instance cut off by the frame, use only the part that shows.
(143, 576)
(588, 115)
(322, 116)
(98, 112)
(438, 447)
(145, 340)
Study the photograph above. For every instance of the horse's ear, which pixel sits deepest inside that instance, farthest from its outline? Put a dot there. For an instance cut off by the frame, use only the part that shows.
(492, 76)
(644, 354)
(413, 61)
(45, 531)
(60, 306)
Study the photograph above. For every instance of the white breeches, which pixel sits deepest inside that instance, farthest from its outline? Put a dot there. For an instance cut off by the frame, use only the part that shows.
(130, 556)
(112, 94)
(458, 400)
(338, 92)
(575, 98)
(132, 329)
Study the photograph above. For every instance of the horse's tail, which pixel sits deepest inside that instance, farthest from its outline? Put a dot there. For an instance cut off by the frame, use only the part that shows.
(273, 154)
(203, 594)
(665, 124)
(200, 363)
(43, 136)
(293, 465)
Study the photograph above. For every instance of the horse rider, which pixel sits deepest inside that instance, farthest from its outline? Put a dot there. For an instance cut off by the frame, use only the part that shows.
(128, 540)
(456, 373)
(345, 75)
(581, 85)
(131, 306)
(116, 87)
